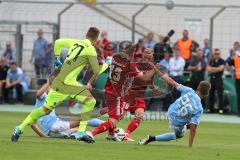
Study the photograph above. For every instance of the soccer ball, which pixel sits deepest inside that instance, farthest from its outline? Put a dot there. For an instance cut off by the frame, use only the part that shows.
(120, 133)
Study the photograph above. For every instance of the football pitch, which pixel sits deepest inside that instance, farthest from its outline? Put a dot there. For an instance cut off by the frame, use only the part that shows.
(214, 141)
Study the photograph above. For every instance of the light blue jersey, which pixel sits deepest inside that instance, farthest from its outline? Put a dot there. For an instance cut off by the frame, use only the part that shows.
(186, 109)
(45, 122)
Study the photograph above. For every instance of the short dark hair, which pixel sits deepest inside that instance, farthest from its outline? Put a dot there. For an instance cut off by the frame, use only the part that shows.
(93, 33)
(13, 63)
(236, 43)
(98, 51)
(204, 88)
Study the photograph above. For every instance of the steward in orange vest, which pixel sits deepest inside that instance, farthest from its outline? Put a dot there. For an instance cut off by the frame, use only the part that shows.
(235, 61)
(185, 48)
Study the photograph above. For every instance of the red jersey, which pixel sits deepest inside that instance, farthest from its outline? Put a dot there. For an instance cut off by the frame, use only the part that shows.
(104, 46)
(138, 53)
(139, 86)
(121, 75)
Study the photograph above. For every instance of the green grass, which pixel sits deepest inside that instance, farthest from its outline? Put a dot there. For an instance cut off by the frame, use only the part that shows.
(214, 141)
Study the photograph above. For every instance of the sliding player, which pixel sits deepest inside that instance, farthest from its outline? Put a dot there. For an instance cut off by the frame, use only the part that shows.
(53, 126)
(184, 112)
(65, 85)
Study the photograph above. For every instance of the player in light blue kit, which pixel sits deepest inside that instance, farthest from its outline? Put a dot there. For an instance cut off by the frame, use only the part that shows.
(53, 126)
(184, 112)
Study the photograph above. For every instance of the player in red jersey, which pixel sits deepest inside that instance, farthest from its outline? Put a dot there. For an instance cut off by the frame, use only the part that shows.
(136, 95)
(120, 78)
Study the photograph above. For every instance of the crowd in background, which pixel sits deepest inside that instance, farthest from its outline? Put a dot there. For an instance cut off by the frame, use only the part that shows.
(13, 82)
(184, 57)
(187, 58)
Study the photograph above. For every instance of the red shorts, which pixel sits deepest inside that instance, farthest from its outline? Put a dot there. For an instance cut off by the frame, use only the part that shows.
(114, 103)
(139, 103)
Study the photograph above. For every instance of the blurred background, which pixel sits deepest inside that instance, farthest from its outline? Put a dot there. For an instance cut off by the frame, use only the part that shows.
(28, 29)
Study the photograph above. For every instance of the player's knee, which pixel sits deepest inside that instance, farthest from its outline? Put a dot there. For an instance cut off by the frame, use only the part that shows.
(139, 113)
(113, 122)
(47, 110)
(179, 135)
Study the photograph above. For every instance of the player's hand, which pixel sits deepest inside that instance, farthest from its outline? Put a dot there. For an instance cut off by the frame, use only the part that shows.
(89, 86)
(157, 65)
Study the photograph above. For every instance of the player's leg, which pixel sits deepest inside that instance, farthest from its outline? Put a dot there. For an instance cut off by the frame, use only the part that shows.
(92, 122)
(95, 122)
(116, 115)
(110, 124)
(211, 99)
(139, 113)
(52, 99)
(114, 112)
(177, 134)
(29, 120)
(88, 102)
(139, 110)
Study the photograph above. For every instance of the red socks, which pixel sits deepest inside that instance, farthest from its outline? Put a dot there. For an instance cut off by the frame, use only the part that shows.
(111, 132)
(103, 127)
(133, 125)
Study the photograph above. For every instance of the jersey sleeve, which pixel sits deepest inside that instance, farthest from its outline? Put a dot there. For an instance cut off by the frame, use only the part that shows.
(93, 60)
(103, 68)
(63, 43)
(133, 70)
(196, 118)
(183, 89)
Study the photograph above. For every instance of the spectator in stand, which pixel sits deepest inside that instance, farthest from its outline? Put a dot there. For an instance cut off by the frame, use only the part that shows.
(139, 50)
(184, 44)
(161, 48)
(232, 53)
(165, 62)
(235, 61)
(104, 45)
(3, 75)
(194, 47)
(16, 82)
(176, 69)
(215, 70)
(235, 49)
(39, 49)
(48, 60)
(9, 53)
(197, 66)
(150, 43)
(206, 51)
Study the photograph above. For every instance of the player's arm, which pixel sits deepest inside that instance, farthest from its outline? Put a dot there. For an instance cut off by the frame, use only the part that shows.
(192, 68)
(63, 43)
(103, 68)
(193, 128)
(38, 131)
(167, 79)
(42, 90)
(146, 76)
(215, 69)
(97, 69)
